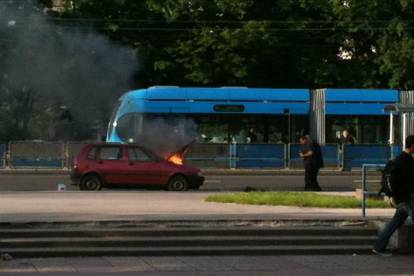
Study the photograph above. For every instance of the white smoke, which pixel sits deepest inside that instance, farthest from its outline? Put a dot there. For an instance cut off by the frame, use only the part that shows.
(73, 66)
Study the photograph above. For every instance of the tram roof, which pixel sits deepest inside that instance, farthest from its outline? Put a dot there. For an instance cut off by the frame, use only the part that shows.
(219, 94)
(362, 95)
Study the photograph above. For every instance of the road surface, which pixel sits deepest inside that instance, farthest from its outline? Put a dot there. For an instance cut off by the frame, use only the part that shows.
(49, 182)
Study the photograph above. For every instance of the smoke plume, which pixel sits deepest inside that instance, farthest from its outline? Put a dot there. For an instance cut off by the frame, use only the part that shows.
(77, 68)
(163, 135)
(74, 67)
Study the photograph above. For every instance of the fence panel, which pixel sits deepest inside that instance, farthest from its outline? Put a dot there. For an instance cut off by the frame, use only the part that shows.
(36, 155)
(330, 154)
(294, 159)
(260, 155)
(208, 155)
(358, 154)
(72, 149)
(396, 150)
(2, 156)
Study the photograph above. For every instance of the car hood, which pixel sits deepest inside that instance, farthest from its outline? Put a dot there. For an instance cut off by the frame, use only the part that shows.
(179, 154)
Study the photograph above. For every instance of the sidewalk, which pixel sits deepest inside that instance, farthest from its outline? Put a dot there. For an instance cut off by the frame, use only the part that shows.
(223, 265)
(159, 205)
(26, 207)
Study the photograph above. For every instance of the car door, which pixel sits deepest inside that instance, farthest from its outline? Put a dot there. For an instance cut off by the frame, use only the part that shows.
(143, 168)
(112, 163)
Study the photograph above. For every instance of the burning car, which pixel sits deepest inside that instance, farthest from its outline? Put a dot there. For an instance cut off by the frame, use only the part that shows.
(98, 165)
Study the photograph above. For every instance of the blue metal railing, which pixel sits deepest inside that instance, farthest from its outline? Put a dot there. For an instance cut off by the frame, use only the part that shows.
(330, 153)
(259, 155)
(358, 154)
(33, 155)
(209, 155)
(255, 156)
(364, 188)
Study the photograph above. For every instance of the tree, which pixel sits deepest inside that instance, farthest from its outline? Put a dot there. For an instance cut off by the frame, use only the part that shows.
(396, 45)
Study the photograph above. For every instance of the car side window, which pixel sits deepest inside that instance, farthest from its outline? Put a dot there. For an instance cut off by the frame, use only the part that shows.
(111, 153)
(137, 154)
(92, 153)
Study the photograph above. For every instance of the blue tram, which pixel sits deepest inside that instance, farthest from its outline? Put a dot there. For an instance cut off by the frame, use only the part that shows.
(254, 115)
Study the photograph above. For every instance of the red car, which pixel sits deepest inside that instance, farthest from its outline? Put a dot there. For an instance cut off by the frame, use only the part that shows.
(98, 165)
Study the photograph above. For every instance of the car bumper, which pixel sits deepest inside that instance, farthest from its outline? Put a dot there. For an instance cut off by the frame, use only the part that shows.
(195, 180)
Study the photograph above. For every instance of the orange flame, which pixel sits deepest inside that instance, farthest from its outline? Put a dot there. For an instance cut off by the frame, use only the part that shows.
(176, 159)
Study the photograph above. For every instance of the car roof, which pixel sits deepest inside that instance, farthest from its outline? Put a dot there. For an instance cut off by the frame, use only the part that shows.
(115, 144)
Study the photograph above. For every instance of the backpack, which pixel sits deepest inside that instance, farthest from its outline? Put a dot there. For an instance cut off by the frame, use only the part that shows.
(387, 185)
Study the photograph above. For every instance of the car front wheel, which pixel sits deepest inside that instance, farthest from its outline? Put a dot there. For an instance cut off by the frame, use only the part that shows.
(178, 183)
(91, 183)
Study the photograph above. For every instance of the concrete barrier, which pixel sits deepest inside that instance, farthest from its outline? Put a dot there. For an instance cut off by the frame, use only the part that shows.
(406, 238)
(402, 239)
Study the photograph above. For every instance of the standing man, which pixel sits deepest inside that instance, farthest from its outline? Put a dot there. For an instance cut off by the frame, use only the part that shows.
(402, 180)
(343, 140)
(251, 136)
(313, 161)
(346, 138)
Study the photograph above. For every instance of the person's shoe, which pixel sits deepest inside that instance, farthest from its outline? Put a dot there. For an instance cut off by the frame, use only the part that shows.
(382, 253)
(317, 189)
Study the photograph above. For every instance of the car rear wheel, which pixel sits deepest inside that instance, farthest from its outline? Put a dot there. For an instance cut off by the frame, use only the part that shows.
(178, 183)
(91, 183)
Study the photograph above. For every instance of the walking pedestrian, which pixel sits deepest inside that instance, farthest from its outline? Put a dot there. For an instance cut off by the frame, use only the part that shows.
(312, 160)
(402, 182)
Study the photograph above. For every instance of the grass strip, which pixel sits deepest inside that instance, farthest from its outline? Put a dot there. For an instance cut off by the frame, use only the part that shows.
(299, 199)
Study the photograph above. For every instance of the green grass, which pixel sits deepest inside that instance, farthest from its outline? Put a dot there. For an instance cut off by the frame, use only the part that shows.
(295, 199)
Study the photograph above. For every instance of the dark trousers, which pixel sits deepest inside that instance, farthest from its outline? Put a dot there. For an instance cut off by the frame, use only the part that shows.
(311, 178)
(401, 214)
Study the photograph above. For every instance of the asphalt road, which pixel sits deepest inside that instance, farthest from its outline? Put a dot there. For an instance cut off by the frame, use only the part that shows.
(213, 183)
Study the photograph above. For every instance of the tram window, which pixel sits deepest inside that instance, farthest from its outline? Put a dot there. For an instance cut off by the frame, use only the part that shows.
(365, 129)
(114, 111)
(128, 126)
(236, 128)
(213, 133)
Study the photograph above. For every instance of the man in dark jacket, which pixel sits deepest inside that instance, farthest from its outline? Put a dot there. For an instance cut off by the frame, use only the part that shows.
(402, 179)
(313, 161)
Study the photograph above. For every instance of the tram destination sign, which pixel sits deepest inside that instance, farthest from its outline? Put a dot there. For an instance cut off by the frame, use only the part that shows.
(228, 108)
